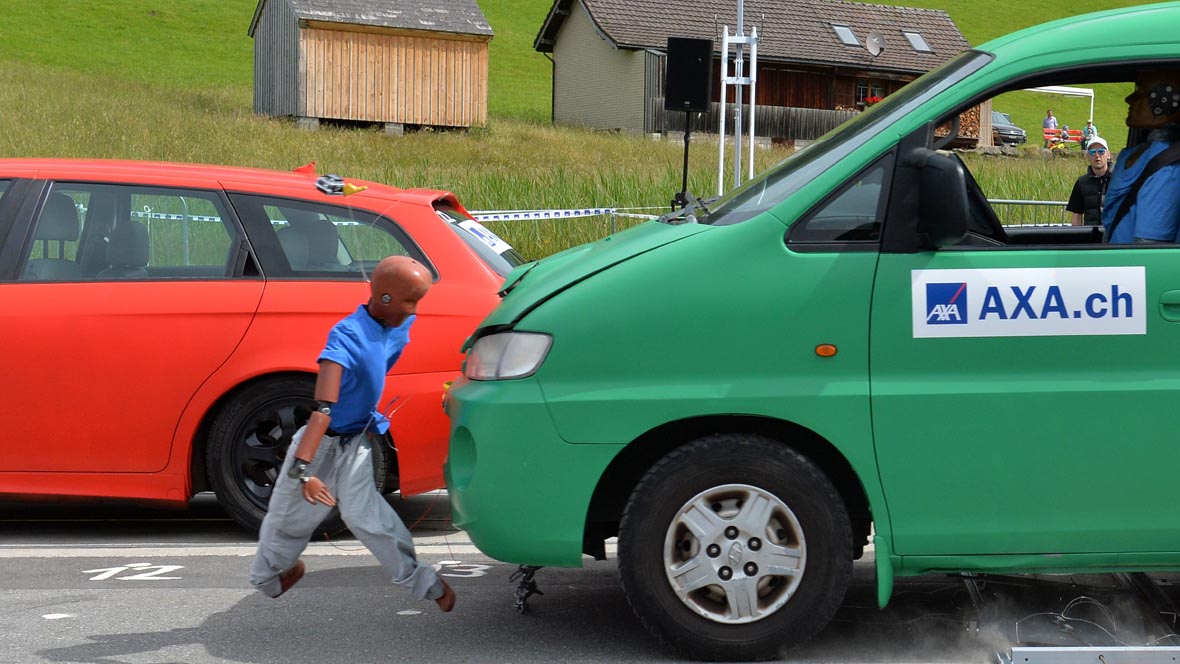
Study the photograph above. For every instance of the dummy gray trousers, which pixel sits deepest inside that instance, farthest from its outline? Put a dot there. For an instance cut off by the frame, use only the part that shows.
(290, 520)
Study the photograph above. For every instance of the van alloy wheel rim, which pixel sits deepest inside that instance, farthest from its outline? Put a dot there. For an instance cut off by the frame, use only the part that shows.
(734, 554)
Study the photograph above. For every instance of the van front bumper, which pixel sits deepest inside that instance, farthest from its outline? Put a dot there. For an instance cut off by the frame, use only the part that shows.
(517, 488)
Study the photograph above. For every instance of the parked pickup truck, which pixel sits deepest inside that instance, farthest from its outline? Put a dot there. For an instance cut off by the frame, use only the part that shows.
(852, 349)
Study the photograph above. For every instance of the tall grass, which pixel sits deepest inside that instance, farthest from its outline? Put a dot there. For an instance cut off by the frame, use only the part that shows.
(1030, 177)
(510, 164)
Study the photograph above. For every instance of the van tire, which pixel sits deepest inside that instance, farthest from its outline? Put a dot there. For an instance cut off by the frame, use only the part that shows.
(248, 441)
(799, 510)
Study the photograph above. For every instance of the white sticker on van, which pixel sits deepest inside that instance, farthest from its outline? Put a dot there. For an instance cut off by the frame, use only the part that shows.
(1029, 302)
(487, 237)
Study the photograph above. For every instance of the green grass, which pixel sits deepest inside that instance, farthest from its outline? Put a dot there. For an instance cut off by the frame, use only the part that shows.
(180, 44)
(519, 84)
(203, 43)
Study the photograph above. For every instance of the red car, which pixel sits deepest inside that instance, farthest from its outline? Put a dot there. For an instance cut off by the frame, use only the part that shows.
(161, 322)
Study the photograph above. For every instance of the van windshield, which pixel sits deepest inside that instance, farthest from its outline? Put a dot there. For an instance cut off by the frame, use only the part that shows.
(784, 179)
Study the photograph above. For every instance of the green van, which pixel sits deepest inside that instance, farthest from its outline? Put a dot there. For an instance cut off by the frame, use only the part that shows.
(852, 350)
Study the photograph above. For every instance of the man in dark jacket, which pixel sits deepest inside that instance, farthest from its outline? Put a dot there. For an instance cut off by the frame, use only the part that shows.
(1089, 192)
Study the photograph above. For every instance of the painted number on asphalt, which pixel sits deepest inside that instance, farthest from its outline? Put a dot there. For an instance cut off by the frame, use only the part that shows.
(458, 570)
(144, 572)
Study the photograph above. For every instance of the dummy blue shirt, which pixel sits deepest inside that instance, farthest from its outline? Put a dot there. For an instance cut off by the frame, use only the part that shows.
(367, 350)
(1155, 214)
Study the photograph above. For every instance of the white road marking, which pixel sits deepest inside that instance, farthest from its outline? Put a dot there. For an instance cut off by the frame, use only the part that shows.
(57, 616)
(451, 545)
(409, 612)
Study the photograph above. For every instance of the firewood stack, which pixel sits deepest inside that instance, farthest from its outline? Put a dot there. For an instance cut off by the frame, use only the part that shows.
(968, 126)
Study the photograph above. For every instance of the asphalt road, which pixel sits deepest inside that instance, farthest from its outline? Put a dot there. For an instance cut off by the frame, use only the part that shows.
(117, 584)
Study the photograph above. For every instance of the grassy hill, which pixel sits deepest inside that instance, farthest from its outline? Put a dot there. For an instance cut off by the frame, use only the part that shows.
(203, 44)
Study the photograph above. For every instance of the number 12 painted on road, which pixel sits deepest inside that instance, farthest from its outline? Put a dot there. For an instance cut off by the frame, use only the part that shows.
(142, 568)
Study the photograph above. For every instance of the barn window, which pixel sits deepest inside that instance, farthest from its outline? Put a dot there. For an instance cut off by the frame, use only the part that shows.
(917, 41)
(845, 34)
(866, 88)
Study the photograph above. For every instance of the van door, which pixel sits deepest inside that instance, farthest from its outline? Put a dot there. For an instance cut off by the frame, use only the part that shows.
(1020, 395)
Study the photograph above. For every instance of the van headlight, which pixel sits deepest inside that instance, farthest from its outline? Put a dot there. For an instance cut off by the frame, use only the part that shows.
(507, 355)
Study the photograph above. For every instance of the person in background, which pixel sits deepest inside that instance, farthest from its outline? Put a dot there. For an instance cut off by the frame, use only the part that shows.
(1089, 192)
(1143, 198)
(1049, 122)
(1089, 133)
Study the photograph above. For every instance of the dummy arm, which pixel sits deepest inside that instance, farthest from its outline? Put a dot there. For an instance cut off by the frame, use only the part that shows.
(327, 390)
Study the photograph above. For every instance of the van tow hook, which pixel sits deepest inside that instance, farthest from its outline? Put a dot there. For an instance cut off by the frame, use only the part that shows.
(526, 587)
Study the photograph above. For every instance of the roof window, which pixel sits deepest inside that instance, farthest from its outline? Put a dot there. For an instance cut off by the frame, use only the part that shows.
(845, 34)
(917, 41)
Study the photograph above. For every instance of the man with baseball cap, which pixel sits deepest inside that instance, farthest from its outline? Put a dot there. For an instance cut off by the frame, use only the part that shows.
(1089, 192)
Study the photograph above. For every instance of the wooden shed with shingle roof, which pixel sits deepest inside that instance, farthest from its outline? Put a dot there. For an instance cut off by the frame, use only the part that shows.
(399, 62)
(608, 58)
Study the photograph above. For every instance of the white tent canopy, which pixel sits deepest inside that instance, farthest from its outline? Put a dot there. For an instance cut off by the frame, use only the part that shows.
(1069, 92)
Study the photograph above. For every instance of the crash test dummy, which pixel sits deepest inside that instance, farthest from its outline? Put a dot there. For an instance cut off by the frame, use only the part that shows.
(1143, 198)
(329, 462)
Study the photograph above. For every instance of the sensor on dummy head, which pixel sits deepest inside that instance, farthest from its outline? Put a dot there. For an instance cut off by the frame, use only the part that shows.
(1164, 99)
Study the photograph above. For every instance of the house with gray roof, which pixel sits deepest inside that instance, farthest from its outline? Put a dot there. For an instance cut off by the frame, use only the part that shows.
(814, 69)
(398, 62)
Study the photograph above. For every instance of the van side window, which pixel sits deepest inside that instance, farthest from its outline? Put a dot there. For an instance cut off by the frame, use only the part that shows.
(852, 215)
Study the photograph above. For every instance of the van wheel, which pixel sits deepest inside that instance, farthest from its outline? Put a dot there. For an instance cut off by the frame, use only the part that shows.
(734, 547)
(248, 443)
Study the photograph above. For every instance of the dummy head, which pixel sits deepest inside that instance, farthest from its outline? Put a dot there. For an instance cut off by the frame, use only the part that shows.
(1155, 101)
(398, 283)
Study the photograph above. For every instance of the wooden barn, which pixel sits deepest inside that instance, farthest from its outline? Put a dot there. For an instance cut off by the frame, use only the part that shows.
(813, 68)
(398, 62)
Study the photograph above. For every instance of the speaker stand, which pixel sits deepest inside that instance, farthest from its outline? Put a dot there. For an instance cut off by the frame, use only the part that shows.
(681, 198)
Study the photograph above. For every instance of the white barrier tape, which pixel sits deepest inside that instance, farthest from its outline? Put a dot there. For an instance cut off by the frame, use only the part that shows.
(481, 216)
(173, 217)
(518, 215)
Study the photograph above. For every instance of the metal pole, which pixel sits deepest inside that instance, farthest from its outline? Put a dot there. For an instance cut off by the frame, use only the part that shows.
(721, 113)
(684, 181)
(753, 91)
(737, 95)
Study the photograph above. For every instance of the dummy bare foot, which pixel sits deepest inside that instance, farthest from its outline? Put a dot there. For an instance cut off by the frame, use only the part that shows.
(447, 601)
(292, 576)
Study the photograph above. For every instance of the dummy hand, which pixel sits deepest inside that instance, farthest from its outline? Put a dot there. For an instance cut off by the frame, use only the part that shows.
(315, 491)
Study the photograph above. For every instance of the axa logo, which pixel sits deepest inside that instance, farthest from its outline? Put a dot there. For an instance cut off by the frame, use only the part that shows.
(946, 304)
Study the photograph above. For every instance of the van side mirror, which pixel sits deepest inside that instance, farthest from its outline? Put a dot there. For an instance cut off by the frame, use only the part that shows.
(942, 208)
